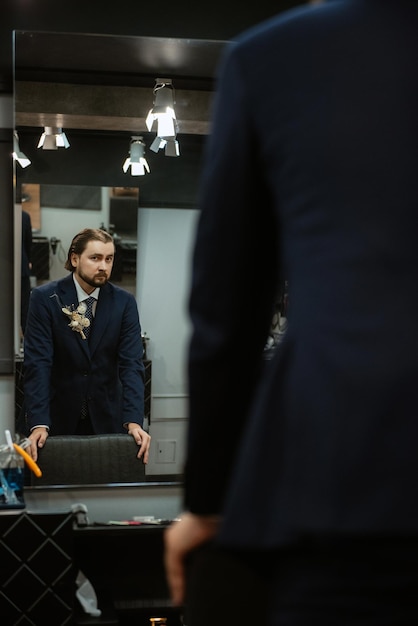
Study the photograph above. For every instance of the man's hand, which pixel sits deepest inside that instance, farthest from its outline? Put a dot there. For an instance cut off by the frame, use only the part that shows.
(142, 439)
(37, 439)
(180, 538)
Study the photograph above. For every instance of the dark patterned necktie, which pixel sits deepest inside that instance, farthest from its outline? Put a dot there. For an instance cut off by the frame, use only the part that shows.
(89, 314)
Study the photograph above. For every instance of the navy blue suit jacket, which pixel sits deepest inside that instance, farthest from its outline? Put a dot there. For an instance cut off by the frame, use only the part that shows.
(311, 174)
(61, 368)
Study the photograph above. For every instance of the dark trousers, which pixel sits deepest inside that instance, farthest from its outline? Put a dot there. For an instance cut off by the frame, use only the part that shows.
(332, 581)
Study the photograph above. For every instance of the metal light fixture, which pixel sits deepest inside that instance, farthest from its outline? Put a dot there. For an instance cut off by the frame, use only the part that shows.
(53, 138)
(163, 113)
(171, 146)
(18, 155)
(136, 160)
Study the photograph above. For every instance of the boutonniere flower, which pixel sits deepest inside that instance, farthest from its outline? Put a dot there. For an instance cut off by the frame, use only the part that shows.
(78, 320)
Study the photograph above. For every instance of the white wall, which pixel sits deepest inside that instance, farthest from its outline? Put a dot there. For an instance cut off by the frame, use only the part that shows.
(64, 224)
(165, 239)
(163, 276)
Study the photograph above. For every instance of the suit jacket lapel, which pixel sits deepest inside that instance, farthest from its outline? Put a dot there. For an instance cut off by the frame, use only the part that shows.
(67, 295)
(67, 292)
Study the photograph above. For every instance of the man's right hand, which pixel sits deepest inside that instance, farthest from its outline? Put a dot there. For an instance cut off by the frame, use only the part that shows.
(37, 439)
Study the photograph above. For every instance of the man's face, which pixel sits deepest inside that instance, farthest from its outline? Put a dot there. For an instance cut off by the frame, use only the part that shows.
(94, 266)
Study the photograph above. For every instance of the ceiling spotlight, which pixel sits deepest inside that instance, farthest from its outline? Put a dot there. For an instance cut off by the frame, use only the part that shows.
(171, 146)
(18, 155)
(136, 160)
(53, 138)
(163, 113)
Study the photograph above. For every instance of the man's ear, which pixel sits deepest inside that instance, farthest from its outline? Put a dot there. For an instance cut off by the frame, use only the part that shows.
(74, 259)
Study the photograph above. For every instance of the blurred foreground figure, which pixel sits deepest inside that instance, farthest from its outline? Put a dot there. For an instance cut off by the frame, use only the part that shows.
(301, 473)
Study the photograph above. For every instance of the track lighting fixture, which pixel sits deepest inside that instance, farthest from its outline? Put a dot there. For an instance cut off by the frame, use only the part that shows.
(171, 146)
(164, 114)
(136, 160)
(53, 138)
(18, 155)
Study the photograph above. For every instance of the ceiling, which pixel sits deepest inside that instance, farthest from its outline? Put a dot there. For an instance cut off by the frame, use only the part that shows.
(115, 60)
(105, 82)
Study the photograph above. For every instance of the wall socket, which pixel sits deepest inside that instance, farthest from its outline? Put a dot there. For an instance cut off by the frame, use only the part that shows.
(166, 451)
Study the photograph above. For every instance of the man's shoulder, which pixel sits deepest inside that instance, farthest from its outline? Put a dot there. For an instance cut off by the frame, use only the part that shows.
(55, 288)
(52, 286)
(289, 22)
(118, 292)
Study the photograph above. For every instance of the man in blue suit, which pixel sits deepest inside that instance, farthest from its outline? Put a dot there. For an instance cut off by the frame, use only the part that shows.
(84, 376)
(301, 472)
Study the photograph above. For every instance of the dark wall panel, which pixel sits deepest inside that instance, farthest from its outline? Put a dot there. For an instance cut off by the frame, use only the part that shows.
(167, 18)
(97, 159)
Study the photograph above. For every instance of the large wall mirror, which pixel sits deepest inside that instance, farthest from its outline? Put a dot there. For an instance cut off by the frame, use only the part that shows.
(99, 89)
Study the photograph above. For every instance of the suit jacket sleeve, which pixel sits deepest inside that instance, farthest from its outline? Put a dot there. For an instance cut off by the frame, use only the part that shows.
(131, 367)
(38, 360)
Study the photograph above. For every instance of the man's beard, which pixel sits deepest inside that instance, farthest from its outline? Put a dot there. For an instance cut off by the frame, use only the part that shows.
(98, 281)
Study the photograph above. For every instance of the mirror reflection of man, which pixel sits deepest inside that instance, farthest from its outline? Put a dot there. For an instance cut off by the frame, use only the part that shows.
(83, 379)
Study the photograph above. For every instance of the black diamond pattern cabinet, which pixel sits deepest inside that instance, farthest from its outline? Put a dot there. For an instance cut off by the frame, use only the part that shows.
(37, 573)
